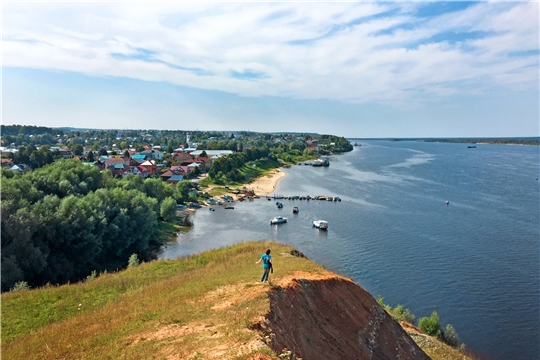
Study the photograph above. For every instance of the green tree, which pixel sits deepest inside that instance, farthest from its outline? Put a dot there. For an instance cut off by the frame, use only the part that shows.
(123, 145)
(181, 192)
(77, 149)
(450, 336)
(168, 209)
(431, 325)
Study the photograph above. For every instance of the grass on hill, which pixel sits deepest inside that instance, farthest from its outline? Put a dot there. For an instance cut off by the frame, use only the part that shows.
(150, 311)
(198, 307)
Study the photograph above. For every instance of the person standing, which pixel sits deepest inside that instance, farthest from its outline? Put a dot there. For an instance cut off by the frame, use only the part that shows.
(267, 264)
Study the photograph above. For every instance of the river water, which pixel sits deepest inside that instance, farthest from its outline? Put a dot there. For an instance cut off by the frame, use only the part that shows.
(476, 261)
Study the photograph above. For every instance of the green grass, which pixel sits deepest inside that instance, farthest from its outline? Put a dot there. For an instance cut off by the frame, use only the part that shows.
(119, 308)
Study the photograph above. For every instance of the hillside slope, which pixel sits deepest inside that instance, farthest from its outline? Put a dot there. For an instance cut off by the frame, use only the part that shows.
(208, 306)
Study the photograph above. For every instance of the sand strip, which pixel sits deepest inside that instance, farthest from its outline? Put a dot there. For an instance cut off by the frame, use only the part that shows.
(266, 184)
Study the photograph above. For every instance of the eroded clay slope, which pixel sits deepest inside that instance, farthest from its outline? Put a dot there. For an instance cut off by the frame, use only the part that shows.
(334, 318)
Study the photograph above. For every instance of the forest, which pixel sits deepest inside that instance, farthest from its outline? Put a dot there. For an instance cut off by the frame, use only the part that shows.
(63, 221)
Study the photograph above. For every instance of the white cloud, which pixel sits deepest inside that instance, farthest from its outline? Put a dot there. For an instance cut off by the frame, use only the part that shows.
(322, 50)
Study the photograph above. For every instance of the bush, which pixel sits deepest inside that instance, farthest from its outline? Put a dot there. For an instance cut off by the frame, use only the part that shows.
(451, 336)
(431, 325)
(92, 276)
(20, 286)
(133, 261)
(400, 313)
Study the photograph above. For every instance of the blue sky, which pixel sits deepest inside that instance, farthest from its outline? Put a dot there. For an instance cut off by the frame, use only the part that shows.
(389, 69)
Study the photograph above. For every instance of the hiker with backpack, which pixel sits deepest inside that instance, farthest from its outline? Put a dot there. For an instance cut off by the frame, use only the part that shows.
(267, 264)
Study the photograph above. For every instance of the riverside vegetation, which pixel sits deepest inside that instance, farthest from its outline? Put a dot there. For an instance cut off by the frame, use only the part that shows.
(200, 307)
(65, 220)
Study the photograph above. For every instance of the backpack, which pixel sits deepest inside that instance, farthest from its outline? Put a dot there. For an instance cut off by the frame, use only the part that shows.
(266, 259)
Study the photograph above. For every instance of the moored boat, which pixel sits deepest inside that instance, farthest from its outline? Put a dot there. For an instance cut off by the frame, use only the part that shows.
(295, 210)
(278, 220)
(320, 224)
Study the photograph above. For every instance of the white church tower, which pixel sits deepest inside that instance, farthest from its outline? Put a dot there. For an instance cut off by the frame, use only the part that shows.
(188, 139)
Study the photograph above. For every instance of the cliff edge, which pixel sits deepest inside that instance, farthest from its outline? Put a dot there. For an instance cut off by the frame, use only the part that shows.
(331, 317)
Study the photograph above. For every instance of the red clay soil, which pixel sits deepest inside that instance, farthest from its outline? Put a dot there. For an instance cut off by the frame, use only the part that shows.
(334, 318)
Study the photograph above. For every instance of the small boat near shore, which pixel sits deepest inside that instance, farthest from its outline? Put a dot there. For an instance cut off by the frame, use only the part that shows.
(295, 210)
(320, 224)
(229, 207)
(278, 220)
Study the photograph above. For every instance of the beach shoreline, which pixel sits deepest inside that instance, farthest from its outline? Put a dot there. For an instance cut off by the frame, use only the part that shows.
(266, 184)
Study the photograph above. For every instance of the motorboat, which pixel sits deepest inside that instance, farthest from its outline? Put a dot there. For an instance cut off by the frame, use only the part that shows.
(279, 205)
(320, 224)
(278, 220)
(295, 210)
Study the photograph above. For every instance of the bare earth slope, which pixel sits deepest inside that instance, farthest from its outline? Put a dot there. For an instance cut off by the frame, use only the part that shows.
(334, 318)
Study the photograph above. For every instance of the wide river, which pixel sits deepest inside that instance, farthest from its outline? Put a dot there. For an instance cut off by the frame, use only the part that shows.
(476, 261)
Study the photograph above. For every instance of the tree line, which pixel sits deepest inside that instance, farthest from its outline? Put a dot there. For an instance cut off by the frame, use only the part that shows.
(63, 221)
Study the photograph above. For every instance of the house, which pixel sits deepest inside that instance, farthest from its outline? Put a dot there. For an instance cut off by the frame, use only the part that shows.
(119, 169)
(140, 158)
(153, 154)
(65, 152)
(175, 179)
(180, 170)
(212, 152)
(167, 174)
(20, 168)
(181, 157)
(6, 162)
(150, 166)
(116, 165)
(313, 147)
(136, 170)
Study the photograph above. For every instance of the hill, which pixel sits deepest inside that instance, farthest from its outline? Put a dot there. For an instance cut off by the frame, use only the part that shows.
(209, 306)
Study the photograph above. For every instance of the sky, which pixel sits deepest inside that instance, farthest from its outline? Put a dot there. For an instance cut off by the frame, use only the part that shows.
(353, 69)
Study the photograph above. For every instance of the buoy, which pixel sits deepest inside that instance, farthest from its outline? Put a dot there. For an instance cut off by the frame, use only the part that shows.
(447, 202)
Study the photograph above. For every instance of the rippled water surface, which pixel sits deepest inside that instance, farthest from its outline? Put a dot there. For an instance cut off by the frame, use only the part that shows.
(474, 261)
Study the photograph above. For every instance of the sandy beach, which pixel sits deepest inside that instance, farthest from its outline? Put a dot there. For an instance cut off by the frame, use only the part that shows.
(267, 184)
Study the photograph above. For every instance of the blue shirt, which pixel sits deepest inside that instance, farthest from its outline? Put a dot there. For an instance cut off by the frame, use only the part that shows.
(266, 260)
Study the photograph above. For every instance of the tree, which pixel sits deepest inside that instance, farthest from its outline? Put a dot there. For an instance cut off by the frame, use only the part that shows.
(451, 336)
(91, 156)
(431, 325)
(168, 209)
(77, 149)
(126, 154)
(123, 145)
(102, 152)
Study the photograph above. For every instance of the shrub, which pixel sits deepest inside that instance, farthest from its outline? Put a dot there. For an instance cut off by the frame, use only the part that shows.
(20, 286)
(451, 336)
(133, 261)
(400, 313)
(431, 325)
(92, 275)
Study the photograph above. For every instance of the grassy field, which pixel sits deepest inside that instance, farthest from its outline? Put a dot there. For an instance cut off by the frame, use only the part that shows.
(149, 311)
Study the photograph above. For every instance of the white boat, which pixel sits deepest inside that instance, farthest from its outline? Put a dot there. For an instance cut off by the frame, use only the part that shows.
(320, 224)
(278, 220)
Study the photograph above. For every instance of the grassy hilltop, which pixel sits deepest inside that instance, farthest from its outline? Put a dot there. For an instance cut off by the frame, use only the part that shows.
(200, 307)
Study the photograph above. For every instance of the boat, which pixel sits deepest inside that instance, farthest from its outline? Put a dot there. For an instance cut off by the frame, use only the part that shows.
(279, 205)
(278, 220)
(320, 162)
(229, 207)
(211, 209)
(320, 224)
(295, 210)
(471, 147)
